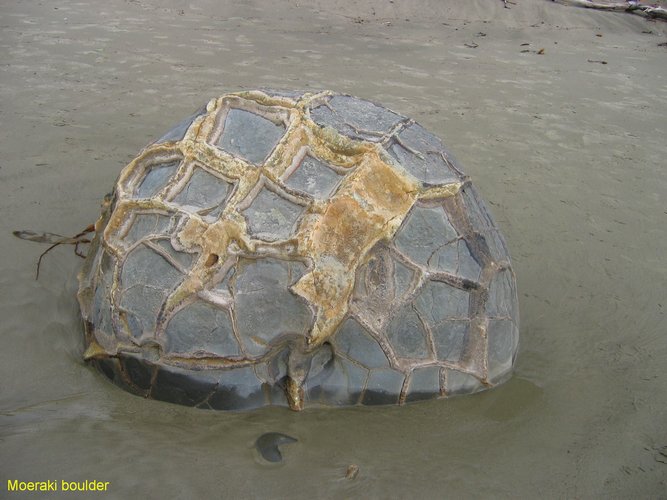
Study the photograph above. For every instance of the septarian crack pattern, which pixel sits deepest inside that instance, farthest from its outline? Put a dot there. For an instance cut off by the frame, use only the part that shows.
(293, 249)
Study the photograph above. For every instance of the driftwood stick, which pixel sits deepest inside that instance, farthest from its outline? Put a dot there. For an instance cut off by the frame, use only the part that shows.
(630, 6)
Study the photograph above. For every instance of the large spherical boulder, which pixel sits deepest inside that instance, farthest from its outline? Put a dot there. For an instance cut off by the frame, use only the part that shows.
(298, 248)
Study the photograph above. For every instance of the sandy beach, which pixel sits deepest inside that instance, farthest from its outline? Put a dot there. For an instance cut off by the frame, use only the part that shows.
(557, 113)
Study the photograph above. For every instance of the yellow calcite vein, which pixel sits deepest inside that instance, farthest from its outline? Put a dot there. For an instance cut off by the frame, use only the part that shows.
(367, 207)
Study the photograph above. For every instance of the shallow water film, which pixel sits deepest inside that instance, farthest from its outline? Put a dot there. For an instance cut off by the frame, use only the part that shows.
(557, 114)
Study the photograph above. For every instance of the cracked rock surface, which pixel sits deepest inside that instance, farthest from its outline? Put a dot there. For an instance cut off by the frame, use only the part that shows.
(298, 249)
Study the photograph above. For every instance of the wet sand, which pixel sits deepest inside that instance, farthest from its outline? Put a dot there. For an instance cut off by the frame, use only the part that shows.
(557, 113)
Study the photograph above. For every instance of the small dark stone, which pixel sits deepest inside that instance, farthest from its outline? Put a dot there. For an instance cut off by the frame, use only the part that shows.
(268, 445)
